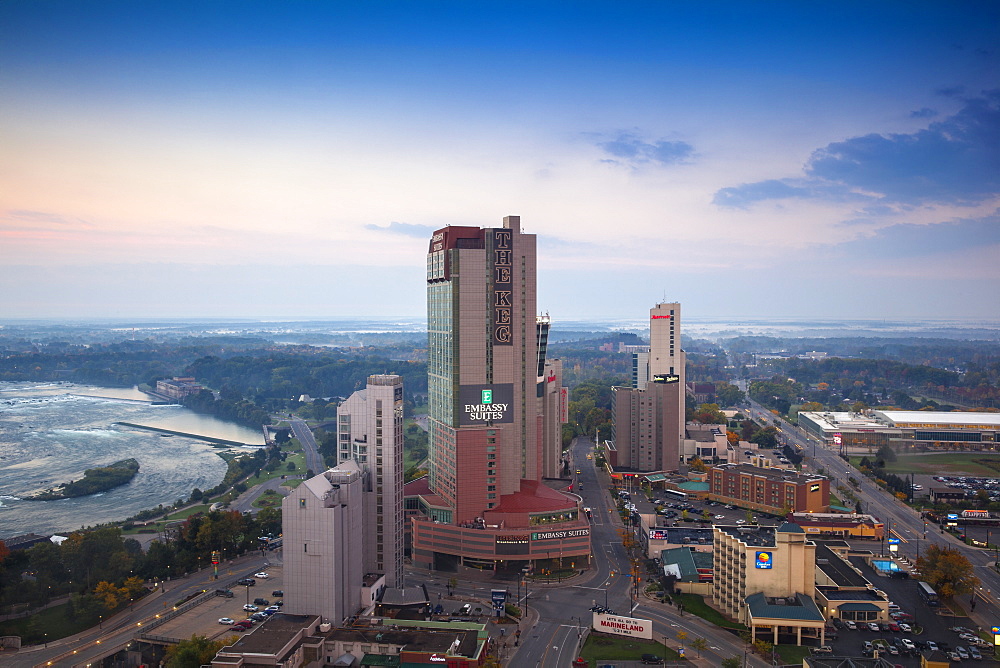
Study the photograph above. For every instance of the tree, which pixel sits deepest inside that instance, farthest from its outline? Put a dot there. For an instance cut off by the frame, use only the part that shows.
(948, 571)
(728, 394)
(763, 647)
(699, 644)
(194, 652)
(732, 662)
(886, 454)
(697, 465)
(709, 414)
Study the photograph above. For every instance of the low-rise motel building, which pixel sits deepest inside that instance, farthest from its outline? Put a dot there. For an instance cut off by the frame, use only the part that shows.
(765, 577)
(769, 490)
(839, 525)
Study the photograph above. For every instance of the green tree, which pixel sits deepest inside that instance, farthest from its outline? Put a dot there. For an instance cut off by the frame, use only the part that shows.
(886, 454)
(709, 414)
(699, 644)
(948, 571)
(732, 662)
(728, 394)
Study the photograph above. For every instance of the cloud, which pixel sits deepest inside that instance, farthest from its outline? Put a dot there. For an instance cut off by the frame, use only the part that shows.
(907, 240)
(926, 112)
(405, 229)
(953, 161)
(627, 148)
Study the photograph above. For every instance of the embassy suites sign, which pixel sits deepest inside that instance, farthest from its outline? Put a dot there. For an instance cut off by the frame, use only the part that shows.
(558, 535)
(485, 404)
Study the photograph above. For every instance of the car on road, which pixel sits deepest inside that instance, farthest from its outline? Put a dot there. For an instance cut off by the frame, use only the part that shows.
(741, 521)
(262, 575)
(226, 620)
(720, 517)
(250, 607)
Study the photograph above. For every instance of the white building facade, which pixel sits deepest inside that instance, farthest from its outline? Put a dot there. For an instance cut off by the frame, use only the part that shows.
(370, 432)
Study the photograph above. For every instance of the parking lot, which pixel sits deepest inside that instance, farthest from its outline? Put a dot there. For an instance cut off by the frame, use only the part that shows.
(204, 618)
(929, 625)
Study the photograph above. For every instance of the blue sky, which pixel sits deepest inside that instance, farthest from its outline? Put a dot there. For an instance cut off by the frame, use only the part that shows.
(208, 159)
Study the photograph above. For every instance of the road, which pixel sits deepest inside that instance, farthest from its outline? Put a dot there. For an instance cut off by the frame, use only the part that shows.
(903, 521)
(78, 650)
(563, 611)
(304, 434)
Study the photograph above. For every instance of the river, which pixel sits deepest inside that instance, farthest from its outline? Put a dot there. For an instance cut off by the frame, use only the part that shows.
(51, 432)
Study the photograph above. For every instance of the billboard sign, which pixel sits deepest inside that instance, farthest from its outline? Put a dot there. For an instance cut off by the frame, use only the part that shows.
(893, 541)
(623, 626)
(657, 534)
(765, 559)
(952, 516)
(486, 404)
(666, 378)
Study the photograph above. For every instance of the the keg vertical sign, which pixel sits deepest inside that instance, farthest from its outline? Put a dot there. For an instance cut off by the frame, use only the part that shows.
(503, 262)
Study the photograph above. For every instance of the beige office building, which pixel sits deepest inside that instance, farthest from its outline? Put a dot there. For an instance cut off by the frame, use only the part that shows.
(322, 521)
(370, 432)
(666, 358)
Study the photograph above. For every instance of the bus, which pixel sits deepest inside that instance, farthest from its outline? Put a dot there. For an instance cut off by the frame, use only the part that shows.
(674, 494)
(928, 594)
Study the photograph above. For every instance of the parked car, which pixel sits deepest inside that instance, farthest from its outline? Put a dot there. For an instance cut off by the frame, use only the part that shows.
(872, 626)
(226, 620)
(247, 582)
(278, 592)
(651, 659)
(823, 649)
(262, 575)
(962, 652)
(837, 622)
(931, 645)
(894, 627)
(250, 607)
(975, 653)
(905, 628)
(908, 644)
(850, 624)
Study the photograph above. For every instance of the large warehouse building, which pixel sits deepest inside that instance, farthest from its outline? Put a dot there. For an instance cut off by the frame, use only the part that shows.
(905, 429)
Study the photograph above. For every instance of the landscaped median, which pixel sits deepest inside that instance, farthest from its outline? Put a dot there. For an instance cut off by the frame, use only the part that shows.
(601, 648)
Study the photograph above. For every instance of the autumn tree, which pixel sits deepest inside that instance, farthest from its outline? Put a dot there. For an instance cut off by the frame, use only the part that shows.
(948, 571)
(698, 465)
(708, 414)
(699, 644)
(194, 652)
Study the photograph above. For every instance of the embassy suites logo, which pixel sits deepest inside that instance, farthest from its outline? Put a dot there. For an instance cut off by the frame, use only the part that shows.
(486, 404)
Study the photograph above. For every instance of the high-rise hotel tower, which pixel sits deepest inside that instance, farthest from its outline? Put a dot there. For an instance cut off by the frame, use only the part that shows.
(492, 405)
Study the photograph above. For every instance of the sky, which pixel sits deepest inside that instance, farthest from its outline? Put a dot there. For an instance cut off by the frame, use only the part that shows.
(832, 160)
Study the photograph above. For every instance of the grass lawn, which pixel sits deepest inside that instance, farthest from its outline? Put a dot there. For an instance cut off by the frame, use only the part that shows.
(292, 483)
(792, 654)
(49, 624)
(947, 463)
(179, 515)
(268, 499)
(696, 605)
(600, 647)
